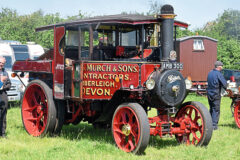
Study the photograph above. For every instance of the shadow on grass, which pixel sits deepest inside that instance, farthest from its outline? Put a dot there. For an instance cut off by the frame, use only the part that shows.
(86, 131)
(160, 143)
(233, 125)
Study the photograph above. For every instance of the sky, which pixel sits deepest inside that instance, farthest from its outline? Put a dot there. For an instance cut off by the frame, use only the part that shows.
(195, 12)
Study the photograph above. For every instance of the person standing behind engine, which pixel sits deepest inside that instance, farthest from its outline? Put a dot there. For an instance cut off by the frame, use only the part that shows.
(5, 84)
(216, 81)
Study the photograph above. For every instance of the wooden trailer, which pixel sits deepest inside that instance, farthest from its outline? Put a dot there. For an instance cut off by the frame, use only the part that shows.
(198, 54)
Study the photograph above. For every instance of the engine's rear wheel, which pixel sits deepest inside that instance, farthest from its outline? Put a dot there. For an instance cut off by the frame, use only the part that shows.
(38, 109)
(130, 128)
(198, 122)
(237, 114)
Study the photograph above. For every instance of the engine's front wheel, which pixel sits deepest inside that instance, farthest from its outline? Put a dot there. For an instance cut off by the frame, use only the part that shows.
(38, 109)
(130, 128)
(197, 121)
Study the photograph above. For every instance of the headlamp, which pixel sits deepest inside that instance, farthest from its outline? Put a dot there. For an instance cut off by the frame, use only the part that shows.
(150, 84)
(173, 55)
(188, 84)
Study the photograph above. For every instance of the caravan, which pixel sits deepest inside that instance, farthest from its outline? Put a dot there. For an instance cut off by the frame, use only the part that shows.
(34, 50)
(6, 51)
(12, 51)
(16, 90)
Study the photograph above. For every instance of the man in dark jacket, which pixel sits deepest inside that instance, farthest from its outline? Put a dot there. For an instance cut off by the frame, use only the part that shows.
(5, 84)
(216, 81)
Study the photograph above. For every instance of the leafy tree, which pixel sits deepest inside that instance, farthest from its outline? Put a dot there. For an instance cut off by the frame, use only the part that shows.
(230, 23)
(155, 7)
(182, 32)
(45, 38)
(226, 30)
(79, 16)
(22, 27)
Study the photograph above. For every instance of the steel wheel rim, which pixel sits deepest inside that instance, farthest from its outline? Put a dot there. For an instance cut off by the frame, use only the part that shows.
(35, 110)
(194, 125)
(126, 129)
(237, 114)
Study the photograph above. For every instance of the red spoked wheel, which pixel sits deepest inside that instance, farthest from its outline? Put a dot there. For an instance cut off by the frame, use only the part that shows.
(237, 114)
(38, 109)
(130, 128)
(197, 121)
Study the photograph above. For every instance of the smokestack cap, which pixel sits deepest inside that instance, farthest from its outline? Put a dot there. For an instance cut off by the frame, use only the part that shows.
(167, 9)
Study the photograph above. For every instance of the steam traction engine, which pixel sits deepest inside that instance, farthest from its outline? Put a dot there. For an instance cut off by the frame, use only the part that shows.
(110, 71)
(235, 107)
(233, 91)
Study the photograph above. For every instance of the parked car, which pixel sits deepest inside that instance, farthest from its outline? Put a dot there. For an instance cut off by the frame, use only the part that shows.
(15, 93)
(232, 75)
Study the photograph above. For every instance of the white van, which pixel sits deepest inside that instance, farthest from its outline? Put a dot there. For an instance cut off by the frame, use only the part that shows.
(35, 50)
(6, 51)
(16, 90)
(20, 51)
(12, 51)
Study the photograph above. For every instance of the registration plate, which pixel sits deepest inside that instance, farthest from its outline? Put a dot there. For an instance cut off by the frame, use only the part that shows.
(171, 65)
(11, 99)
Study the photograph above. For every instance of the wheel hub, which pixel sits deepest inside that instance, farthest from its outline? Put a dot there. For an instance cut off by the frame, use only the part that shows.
(189, 124)
(39, 109)
(176, 89)
(126, 129)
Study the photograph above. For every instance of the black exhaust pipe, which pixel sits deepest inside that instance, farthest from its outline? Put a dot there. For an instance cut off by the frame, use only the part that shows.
(167, 15)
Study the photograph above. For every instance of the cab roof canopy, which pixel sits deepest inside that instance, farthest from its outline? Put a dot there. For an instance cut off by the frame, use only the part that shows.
(131, 19)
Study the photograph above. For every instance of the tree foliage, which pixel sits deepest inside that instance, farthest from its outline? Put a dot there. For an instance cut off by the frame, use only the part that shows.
(155, 7)
(226, 29)
(22, 27)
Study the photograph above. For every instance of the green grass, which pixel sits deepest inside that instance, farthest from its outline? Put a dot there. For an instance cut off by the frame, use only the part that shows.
(84, 142)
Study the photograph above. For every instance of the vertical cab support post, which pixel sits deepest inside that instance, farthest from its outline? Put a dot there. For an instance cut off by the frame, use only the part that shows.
(58, 65)
(77, 74)
(142, 40)
(90, 41)
(120, 43)
(117, 36)
(79, 43)
(75, 91)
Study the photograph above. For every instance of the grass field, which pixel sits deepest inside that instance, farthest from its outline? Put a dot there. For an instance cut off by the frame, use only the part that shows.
(84, 142)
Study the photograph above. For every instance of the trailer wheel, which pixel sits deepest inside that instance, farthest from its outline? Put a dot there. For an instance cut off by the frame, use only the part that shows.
(38, 109)
(130, 128)
(198, 122)
(237, 114)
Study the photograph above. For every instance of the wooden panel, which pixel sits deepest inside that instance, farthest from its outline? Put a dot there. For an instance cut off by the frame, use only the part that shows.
(197, 64)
